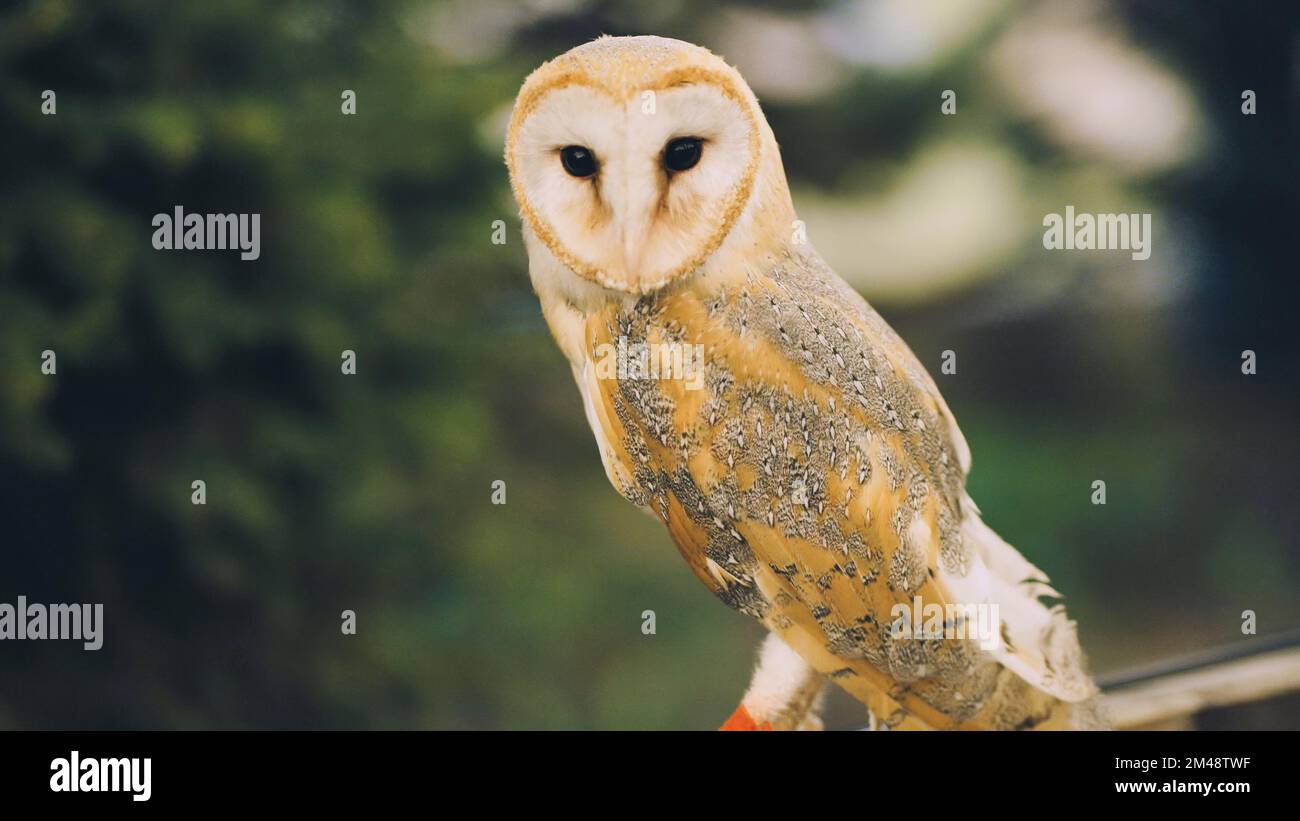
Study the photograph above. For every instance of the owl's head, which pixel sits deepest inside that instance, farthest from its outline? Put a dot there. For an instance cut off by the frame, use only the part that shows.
(634, 159)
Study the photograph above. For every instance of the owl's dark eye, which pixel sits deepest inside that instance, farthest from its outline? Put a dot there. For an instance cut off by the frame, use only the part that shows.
(578, 160)
(682, 153)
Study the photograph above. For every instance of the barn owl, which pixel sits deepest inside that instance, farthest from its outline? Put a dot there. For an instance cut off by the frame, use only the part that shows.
(808, 470)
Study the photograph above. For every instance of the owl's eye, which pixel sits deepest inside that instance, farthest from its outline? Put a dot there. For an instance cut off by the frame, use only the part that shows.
(578, 160)
(682, 153)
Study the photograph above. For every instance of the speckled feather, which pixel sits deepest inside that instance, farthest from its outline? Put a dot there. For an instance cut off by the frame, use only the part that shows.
(794, 481)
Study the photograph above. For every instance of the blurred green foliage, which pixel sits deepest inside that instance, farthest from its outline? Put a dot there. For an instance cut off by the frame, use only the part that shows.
(371, 492)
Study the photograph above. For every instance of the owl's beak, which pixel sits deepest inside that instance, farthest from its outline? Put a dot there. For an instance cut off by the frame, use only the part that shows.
(641, 204)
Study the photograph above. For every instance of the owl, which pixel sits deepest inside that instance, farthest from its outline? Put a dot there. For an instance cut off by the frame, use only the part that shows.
(739, 391)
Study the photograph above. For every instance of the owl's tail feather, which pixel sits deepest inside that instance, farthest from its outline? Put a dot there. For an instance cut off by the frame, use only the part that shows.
(1043, 681)
(1013, 705)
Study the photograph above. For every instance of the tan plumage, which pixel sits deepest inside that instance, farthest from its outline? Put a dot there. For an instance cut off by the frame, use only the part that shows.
(815, 477)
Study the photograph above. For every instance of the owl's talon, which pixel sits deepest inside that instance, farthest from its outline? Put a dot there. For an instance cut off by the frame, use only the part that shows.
(741, 720)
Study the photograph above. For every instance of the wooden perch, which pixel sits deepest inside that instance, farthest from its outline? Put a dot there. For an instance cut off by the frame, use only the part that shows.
(1169, 695)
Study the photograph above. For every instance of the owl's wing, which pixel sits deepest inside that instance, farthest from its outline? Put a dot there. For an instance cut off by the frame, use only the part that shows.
(812, 475)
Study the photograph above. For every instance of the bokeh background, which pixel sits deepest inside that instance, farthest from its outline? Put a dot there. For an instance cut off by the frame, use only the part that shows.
(373, 492)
